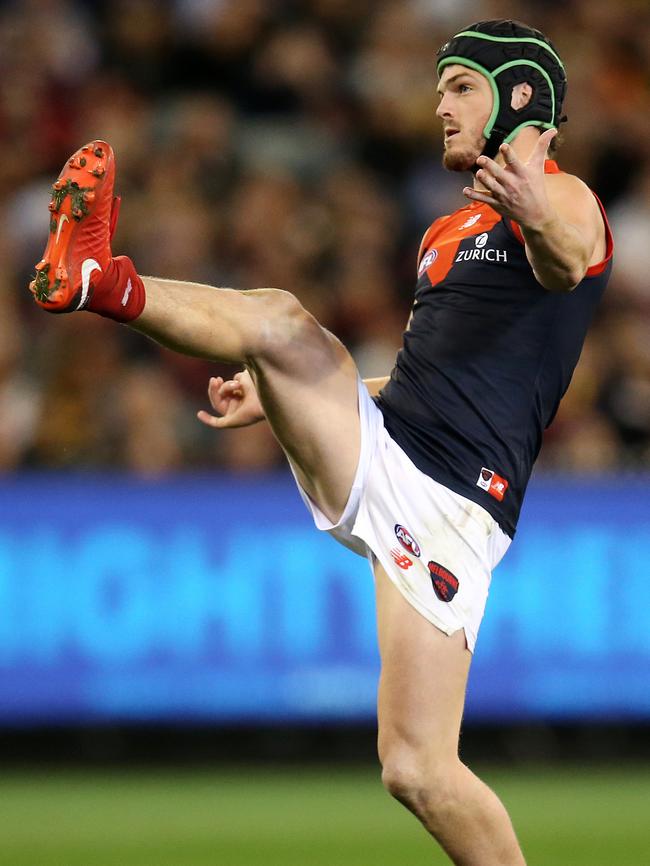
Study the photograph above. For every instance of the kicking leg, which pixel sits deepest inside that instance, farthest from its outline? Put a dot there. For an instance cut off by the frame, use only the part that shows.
(305, 378)
(421, 699)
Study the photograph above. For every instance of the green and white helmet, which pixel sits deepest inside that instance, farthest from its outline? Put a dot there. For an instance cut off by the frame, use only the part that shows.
(508, 53)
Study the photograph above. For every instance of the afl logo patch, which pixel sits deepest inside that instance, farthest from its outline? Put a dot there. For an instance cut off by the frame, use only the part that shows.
(406, 540)
(445, 585)
(427, 261)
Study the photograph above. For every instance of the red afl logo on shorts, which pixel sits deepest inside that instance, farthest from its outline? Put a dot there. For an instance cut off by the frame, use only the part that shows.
(444, 583)
(406, 540)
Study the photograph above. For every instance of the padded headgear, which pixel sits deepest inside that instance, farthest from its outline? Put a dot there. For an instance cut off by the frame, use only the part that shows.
(508, 53)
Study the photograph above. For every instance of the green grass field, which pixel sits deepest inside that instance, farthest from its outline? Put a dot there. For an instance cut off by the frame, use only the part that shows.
(302, 818)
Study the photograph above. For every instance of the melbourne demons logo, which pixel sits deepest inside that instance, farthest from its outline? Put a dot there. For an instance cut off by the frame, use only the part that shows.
(445, 584)
(406, 540)
(427, 261)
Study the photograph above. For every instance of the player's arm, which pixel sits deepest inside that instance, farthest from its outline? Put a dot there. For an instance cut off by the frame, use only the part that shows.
(560, 220)
(561, 247)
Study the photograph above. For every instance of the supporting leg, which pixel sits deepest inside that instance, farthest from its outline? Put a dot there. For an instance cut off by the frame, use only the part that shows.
(421, 698)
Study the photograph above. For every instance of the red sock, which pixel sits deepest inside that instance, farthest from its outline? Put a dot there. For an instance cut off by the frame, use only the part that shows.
(120, 294)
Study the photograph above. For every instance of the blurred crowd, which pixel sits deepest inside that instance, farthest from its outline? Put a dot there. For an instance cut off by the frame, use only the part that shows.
(288, 144)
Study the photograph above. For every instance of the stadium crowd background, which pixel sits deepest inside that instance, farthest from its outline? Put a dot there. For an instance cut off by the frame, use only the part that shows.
(288, 144)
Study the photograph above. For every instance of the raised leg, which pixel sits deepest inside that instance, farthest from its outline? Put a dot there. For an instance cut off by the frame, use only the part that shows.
(304, 376)
(421, 698)
(306, 380)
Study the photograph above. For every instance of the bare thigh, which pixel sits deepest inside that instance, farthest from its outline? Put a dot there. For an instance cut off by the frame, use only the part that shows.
(423, 681)
(309, 392)
(306, 379)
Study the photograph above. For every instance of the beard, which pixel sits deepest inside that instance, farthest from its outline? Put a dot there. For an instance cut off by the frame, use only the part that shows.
(463, 159)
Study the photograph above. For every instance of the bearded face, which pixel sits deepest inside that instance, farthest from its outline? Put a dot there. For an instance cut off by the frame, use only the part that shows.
(465, 106)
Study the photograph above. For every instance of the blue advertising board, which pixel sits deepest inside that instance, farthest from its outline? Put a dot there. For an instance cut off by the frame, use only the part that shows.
(212, 598)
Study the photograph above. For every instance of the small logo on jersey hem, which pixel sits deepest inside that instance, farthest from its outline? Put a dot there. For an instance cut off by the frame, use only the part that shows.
(492, 483)
(401, 559)
(427, 261)
(471, 221)
(445, 584)
(406, 540)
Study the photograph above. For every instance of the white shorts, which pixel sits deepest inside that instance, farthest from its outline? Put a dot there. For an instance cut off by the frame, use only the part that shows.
(437, 547)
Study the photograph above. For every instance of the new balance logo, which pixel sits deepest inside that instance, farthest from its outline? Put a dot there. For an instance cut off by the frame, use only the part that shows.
(471, 221)
(401, 559)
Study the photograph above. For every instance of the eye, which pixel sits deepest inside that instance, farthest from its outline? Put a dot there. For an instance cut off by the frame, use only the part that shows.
(464, 88)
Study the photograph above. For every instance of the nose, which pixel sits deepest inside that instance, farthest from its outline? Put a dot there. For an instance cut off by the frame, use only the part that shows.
(444, 106)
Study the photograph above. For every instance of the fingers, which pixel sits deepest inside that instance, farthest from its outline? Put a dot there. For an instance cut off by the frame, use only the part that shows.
(231, 389)
(546, 138)
(486, 198)
(219, 385)
(494, 182)
(540, 151)
(210, 420)
(498, 183)
(490, 167)
(220, 392)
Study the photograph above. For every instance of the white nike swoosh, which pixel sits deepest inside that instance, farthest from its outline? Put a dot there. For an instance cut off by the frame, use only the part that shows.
(63, 218)
(127, 292)
(87, 267)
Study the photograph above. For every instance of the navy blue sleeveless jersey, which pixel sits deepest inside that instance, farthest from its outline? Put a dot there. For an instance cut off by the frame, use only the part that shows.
(486, 358)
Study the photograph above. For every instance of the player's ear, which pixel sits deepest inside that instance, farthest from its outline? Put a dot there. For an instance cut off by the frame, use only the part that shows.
(521, 95)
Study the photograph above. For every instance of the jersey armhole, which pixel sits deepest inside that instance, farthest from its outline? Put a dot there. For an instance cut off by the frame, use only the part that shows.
(516, 231)
(593, 270)
(598, 268)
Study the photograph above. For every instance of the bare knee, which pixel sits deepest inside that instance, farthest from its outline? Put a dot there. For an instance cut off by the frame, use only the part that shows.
(281, 325)
(425, 784)
(407, 783)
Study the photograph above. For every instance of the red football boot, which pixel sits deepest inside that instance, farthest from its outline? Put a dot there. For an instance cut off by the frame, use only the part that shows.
(84, 216)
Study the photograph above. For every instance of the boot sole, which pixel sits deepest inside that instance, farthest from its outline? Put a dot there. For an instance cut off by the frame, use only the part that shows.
(72, 197)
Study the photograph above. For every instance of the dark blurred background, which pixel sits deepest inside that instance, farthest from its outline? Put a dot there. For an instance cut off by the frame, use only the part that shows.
(288, 144)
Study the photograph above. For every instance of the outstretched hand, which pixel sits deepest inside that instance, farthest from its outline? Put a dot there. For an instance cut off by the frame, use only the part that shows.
(516, 189)
(234, 400)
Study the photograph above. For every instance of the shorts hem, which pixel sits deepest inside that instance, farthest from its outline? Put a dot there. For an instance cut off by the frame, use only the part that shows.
(429, 615)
